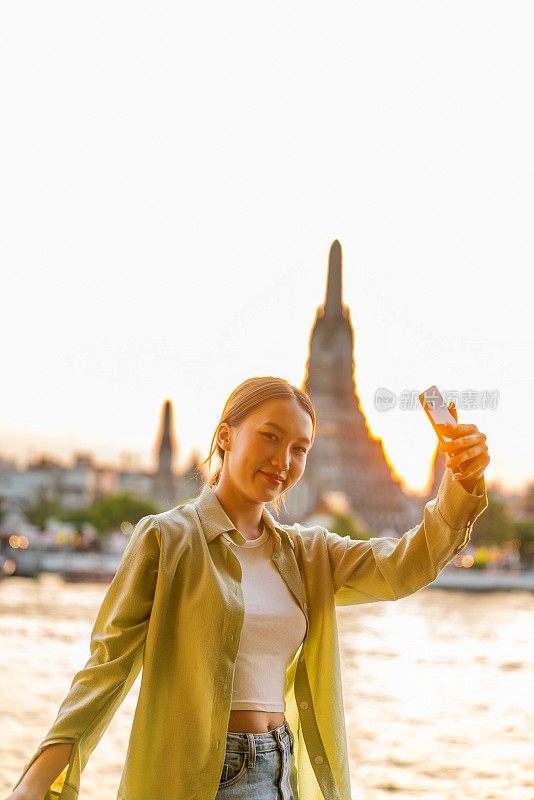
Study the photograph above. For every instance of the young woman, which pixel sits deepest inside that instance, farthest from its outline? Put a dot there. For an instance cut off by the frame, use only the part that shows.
(232, 618)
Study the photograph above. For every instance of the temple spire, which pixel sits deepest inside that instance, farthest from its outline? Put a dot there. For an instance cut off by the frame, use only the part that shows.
(333, 301)
(166, 440)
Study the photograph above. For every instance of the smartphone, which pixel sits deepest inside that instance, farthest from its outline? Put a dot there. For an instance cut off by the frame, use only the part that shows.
(438, 413)
(436, 410)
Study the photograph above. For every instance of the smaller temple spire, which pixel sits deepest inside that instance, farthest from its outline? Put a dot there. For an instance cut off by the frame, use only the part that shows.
(333, 306)
(166, 441)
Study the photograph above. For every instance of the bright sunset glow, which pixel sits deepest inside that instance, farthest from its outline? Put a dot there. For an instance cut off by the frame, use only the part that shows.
(173, 178)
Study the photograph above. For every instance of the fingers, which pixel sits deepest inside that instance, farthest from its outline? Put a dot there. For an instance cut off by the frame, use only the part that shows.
(461, 443)
(456, 431)
(475, 468)
(465, 456)
(467, 453)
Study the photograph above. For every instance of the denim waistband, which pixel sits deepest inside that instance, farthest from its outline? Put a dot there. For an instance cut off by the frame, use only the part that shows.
(263, 742)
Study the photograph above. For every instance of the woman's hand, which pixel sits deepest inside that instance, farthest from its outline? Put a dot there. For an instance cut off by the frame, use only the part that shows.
(467, 453)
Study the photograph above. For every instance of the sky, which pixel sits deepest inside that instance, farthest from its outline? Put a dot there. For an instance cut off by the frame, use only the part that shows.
(172, 177)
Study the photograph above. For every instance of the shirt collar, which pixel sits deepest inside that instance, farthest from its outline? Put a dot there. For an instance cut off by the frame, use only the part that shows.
(215, 521)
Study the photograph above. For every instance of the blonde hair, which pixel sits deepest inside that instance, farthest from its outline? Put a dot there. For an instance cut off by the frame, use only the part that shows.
(242, 402)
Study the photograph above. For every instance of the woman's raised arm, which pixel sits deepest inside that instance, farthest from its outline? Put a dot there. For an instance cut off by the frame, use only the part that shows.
(387, 568)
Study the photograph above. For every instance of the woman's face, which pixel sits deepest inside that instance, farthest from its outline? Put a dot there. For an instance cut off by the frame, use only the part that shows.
(273, 439)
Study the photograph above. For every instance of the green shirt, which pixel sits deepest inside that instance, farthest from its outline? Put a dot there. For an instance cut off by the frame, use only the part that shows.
(175, 608)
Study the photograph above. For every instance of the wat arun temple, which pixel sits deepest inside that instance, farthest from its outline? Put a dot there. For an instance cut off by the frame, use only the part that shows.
(347, 461)
(346, 457)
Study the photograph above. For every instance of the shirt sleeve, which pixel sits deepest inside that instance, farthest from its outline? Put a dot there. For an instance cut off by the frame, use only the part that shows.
(388, 568)
(116, 646)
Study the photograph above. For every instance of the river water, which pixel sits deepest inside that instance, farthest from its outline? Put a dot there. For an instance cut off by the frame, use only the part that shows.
(438, 690)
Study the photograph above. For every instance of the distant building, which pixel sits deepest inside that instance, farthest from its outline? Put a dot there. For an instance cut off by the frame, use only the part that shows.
(165, 485)
(346, 457)
(168, 487)
(19, 487)
(84, 482)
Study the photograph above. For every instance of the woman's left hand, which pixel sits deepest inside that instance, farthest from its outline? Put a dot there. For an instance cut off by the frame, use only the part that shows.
(467, 454)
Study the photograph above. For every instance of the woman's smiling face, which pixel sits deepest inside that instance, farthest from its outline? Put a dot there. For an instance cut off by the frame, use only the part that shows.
(275, 439)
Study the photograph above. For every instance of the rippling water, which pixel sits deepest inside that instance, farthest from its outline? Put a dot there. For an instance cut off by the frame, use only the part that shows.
(438, 688)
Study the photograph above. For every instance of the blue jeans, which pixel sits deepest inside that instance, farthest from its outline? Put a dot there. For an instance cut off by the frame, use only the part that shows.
(257, 766)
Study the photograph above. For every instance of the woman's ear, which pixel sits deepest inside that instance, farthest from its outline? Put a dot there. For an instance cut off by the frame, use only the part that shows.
(223, 436)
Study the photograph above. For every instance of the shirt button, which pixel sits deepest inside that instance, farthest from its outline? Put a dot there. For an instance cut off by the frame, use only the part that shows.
(304, 705)
(318, 759)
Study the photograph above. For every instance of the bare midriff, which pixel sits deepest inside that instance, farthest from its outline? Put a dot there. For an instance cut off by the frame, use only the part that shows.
(251, 721)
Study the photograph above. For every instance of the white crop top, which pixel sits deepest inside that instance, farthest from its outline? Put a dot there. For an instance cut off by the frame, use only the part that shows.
(273, 628)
